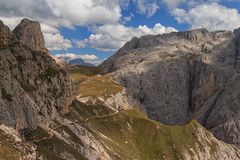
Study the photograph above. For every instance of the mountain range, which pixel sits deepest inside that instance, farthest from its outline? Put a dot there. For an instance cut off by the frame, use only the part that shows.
(171, 96)
(72, 61)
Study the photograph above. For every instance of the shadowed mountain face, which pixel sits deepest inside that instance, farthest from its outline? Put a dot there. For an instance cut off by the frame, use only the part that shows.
(182, 76)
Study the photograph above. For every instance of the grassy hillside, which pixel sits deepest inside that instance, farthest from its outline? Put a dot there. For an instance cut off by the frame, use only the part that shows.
(81, 73)
(126, 135)
(130, 135)
(7, 151)
(51, 147)
(102, 86)
(90, 81)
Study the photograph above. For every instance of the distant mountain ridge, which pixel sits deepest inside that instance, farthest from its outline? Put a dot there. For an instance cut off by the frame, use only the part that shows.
(74, 61)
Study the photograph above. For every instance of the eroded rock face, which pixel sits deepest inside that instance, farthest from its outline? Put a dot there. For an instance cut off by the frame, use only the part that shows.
(182, 76)
(33, 88)
(29, 33)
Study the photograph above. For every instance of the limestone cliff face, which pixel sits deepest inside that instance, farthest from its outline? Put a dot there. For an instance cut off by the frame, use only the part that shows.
(181, 76)
(33, 88)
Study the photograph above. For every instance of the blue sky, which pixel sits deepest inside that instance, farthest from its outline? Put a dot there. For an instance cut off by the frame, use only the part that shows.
(95, 29)
(162, 16)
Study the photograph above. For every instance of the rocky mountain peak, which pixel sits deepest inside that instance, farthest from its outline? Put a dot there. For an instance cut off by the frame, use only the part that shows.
(196, 41)
(33, 87)
(29, 33)
(195, 35)
(4, 35)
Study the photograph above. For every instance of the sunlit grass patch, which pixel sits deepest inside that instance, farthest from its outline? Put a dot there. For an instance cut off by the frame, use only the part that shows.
(132, 136)
(99, 86)
(90, 81)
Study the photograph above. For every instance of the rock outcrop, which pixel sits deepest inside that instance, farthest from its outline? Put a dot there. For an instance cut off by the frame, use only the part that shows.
(29, 33)
(12, 147)
(33, 88)
(182, 76)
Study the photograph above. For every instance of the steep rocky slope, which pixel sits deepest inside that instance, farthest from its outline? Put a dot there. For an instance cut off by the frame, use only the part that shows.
(182, 76)
(130, 135)
(13, 147)
(34, 89)
(100, 131)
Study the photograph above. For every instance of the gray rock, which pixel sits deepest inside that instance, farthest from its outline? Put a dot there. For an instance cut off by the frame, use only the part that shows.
(29, 33)
(182, 76)
(33, 87)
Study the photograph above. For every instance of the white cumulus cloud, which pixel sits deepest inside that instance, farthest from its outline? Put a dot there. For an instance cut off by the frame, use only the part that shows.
(86, 12)
(212, 16)
(66, 13)
(147, 7)
(55, 41)
(60, 13)
(53, 38)
(173, 3)
(113, 36)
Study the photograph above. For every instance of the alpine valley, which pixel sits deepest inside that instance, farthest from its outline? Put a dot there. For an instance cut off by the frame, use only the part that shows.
(172, 96)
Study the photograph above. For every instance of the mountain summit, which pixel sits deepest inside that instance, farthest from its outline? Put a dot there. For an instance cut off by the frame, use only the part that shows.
(33, 87)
